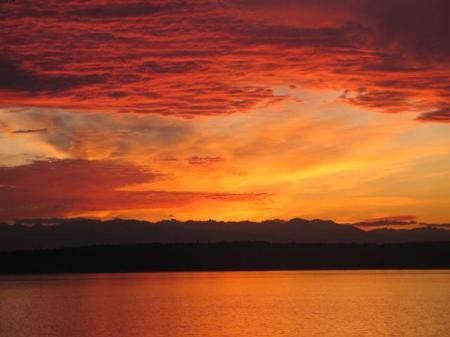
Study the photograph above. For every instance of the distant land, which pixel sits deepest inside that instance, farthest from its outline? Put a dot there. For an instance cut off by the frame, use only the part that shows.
(60, 233)
(157, 257)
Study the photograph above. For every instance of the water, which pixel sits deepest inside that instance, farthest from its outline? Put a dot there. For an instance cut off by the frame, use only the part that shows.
(228, 304)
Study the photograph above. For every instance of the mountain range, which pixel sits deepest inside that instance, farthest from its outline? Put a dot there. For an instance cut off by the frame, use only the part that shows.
(87, 232)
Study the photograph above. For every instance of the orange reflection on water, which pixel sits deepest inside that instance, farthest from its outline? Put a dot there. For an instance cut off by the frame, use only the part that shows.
(353, 303)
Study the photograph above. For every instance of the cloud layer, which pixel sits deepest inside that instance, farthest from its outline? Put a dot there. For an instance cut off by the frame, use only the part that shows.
(196, 58)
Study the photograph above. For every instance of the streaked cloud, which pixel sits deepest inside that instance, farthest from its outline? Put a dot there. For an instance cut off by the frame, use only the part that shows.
(397, 220)
(203, 58)
(440, 115)
(31, 131)
(60, 187)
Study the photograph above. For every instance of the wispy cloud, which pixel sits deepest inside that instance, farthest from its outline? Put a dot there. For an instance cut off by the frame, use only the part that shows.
(397, 220)
(30, 131)
(59, 187)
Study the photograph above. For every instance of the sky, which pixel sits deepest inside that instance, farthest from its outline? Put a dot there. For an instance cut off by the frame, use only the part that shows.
(225, 110)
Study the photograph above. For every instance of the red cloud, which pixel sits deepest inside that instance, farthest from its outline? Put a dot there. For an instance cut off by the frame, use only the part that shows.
(58, 187)
(43, 130)
(389, 221)
(205, 161)
(440, 115)
(207, 57)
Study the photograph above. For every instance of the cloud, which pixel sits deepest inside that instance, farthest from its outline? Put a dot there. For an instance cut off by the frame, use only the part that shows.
(56, 188)
(205, 161)
(16, 78)
(418, 28)
(398, 220)
(387, 101)
(44, 130)
(203, 58)
(121, 10)
(65, 134)
(169, 67)
(345, 36)
(440, 225)
(440, 116)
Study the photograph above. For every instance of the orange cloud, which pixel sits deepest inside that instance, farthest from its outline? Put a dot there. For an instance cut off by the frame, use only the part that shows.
(59, 187)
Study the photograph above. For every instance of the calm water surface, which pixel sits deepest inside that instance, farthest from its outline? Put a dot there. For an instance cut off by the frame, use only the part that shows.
(228, 304)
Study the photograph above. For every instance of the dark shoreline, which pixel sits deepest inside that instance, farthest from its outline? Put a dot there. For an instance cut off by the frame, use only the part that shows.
(227, 256)
(79, 276)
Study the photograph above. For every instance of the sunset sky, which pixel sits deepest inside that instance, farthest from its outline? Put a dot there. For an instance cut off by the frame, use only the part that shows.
(226, 110)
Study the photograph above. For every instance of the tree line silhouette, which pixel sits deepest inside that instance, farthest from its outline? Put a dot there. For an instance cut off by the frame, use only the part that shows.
(227, 256)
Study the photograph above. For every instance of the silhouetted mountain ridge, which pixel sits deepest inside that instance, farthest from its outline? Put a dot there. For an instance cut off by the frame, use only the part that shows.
(86, 232)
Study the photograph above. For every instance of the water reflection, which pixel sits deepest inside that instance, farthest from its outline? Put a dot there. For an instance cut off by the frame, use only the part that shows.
(251, 304)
